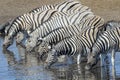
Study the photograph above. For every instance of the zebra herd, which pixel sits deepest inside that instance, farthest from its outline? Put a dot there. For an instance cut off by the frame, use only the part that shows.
(67, 28)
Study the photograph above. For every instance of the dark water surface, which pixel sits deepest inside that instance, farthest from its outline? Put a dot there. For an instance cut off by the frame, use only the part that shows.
(16, 65)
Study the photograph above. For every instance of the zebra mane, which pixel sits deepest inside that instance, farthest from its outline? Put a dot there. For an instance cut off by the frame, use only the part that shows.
(15, 20)
(12, 22)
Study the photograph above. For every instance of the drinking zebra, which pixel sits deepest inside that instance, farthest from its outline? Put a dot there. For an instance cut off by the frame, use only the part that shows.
(78, 45)
(29, 22)
(108, 41)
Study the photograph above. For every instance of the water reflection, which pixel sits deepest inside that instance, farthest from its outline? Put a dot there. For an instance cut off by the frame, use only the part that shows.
(10, 57)
(73, 73)
(17, 64)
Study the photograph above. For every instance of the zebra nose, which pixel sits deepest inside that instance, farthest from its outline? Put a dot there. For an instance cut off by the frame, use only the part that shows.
(5, 45)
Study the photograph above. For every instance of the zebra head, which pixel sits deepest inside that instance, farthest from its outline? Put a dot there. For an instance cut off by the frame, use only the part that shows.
(5, 26)
(19, 37)
(51, 58)
(30, 43)
(8, 40)
(43, 48)
(92, 60)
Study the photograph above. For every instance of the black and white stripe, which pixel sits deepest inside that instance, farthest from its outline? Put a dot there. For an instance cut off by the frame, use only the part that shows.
(79, 44)
(71, 6)
(84, 17)
(44, 29)
(61, 33)
(68, 6)
(42, 8)
(108, 41)
(56, 36)
(29, 22)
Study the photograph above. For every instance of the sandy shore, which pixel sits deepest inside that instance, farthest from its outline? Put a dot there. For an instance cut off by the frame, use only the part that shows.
(108, 9)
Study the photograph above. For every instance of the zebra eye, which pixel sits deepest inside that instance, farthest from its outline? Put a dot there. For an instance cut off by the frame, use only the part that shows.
(94, 56)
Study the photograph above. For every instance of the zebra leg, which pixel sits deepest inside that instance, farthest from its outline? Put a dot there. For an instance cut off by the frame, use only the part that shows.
(113, 58)
(79, 59)
(113, 72)
(101, 60)
(102, 63)
(113, 64)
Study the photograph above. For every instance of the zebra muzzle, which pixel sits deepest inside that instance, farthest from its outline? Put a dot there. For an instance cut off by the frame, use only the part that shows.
(6, 45)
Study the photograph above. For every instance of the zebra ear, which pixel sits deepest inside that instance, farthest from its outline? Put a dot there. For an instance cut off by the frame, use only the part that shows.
(40, 40)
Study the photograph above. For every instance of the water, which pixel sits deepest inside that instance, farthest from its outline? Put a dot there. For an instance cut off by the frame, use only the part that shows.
(15, 64)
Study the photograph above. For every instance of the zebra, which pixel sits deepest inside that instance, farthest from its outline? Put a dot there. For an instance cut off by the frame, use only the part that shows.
(31, 42)
(61, 33)
(5, 26)
(28, 22)
(78, 45)
(108, 41)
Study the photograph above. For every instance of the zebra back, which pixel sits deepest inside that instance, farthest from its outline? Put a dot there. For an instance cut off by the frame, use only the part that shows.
(80, 16)
(42, 8)
(44, 16)
(70, 7)
(65, 6)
